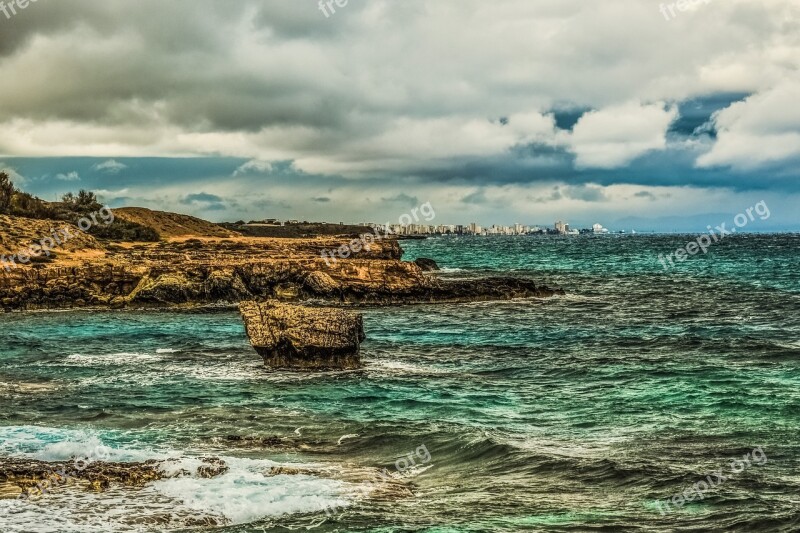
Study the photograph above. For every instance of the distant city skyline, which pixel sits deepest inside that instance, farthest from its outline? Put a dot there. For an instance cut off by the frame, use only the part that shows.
(511, 229)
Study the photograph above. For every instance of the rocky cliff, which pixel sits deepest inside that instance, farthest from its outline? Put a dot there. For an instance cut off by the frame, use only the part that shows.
(217, 271)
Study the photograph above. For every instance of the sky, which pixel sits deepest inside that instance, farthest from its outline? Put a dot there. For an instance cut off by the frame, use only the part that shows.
(631, 113)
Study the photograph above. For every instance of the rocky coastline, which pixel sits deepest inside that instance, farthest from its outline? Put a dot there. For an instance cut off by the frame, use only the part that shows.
(297, 304)
(214, 271)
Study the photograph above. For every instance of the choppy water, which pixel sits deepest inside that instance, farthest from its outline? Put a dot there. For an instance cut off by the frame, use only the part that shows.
(577, 413)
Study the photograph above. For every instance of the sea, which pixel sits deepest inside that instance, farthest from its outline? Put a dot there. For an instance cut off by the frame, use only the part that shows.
(645, 399)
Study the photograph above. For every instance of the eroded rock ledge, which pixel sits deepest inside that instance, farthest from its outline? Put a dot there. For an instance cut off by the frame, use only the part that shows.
(31, 478)
(296, 337)
(21, 476)
(196, 272)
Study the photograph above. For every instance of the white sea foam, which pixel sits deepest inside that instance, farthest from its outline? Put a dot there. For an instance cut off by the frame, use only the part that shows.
(244, 494)
(232, 371)
(414, 471)
(576, 298)
(237, 497)
(346, 437)
(587, 450)
(21, 387)
(122, 358)
(56, 444)
(790, 344)
(166, 350)
(400, 367)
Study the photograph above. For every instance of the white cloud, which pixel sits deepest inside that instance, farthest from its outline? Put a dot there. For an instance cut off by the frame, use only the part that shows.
(105, 193)
(254, 166)
(69, 176)
(763, 129)
(407, 141)
(287, 84)
(111, 166)
(615, 136)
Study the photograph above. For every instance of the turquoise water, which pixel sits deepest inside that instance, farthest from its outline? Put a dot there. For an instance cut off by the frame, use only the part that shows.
(576, 413)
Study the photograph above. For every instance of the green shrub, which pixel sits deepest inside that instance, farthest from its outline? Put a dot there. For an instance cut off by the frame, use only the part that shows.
(71, 209)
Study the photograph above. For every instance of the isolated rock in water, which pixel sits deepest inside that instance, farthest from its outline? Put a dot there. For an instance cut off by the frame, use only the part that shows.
(303, 338)
(427, 265)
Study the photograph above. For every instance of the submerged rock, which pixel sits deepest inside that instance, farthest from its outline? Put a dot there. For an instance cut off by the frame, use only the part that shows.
(489, 289)
(256, 442)
(427, 265)
(35, 478)
(27, 478)
(9, 491)
(304, 338)
(212, 467)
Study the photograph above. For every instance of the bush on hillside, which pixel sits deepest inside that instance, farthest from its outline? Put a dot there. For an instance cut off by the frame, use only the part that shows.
(71, 209)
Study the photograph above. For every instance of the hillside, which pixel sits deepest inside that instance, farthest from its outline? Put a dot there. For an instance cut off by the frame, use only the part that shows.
(17, 234)
(169, 225)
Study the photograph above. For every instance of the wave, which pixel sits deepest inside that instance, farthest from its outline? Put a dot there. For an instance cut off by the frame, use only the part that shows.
(400, 367)
(26, 388)
(248, 492)
(121, 358)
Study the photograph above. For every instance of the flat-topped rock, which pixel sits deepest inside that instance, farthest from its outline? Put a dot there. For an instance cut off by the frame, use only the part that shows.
(297, 337)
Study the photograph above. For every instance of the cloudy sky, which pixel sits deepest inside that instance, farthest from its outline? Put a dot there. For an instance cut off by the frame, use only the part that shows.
(496, 111)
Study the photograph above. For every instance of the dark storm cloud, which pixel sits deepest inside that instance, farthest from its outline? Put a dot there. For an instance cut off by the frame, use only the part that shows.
(208, 201)
(404, 98)
(175, 57)
(477, 198)
(405, 199)
(645, 194)
(674, 166)
(585, 193)
(567, 118)
(299, 20)
(697, 112)
(202, 197)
